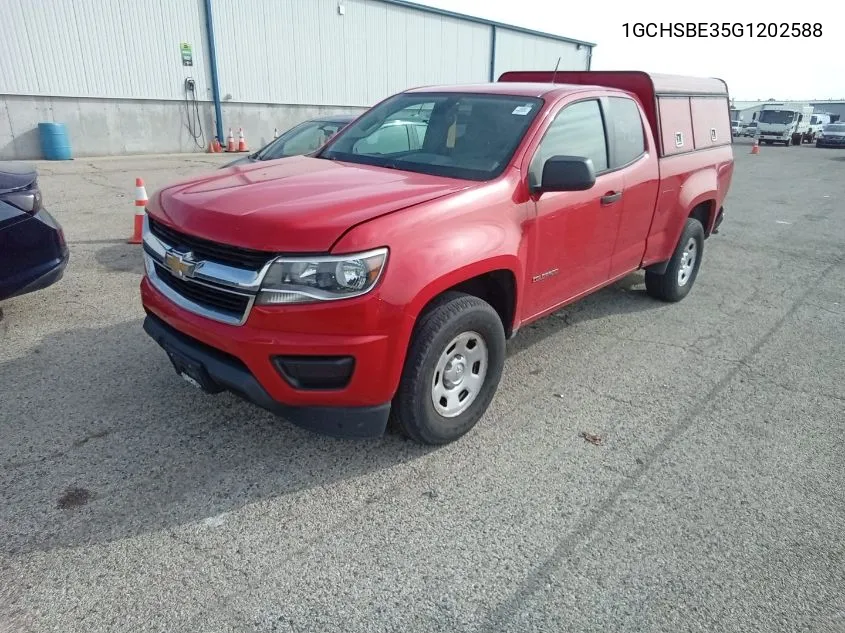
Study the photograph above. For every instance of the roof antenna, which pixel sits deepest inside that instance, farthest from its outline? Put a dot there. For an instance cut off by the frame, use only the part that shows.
(554, 74)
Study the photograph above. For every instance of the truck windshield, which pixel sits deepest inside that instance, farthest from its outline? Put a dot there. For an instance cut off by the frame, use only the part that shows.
(457, 135)
(778, 117)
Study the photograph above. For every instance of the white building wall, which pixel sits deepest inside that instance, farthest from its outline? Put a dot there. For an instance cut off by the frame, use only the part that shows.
(112, 72)
(305, 52)
(524, 51)
(101, 48)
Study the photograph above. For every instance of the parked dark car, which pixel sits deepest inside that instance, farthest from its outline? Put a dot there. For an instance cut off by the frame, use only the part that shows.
(832, 135)
(33, 251)
(303, 138)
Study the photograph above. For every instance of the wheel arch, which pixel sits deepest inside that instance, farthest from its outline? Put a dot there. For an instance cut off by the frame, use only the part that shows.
(703, 208)
(495, 280)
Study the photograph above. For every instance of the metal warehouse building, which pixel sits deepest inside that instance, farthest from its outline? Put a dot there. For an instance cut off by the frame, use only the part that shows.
(119, 73)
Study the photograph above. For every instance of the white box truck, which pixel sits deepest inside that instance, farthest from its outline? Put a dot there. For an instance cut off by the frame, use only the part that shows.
(787, 123)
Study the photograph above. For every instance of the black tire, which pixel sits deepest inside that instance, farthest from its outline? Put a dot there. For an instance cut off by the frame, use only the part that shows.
(450, 316)
(668, 286)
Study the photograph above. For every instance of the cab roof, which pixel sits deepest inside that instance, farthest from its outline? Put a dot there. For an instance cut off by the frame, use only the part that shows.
(517, 89)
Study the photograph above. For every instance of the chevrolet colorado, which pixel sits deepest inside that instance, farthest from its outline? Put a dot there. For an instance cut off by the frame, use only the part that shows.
(382, 275)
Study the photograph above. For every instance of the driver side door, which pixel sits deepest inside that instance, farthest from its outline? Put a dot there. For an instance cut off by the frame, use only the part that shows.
(575, 231)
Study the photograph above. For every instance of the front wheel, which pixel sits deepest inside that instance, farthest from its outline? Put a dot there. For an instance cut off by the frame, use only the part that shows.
(677, 280)
(453, 368)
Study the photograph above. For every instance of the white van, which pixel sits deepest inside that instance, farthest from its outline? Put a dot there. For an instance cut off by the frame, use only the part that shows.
(817, 121)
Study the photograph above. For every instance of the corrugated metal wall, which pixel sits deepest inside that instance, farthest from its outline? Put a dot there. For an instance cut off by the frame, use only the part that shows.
(268, 51)
(303, 51)
(522, 51)
(101, 48)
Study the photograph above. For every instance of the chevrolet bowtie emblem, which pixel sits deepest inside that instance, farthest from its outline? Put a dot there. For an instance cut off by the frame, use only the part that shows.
(180, 264)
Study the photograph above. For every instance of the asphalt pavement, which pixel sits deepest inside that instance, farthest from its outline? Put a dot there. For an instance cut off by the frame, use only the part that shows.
(713, 500)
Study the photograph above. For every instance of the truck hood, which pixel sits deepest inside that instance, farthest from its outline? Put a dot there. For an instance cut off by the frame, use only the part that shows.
(296, 204)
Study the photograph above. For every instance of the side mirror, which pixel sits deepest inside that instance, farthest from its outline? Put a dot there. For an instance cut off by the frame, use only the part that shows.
(568, 173)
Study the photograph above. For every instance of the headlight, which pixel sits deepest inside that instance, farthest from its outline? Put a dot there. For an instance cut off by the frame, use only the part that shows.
(310, 279)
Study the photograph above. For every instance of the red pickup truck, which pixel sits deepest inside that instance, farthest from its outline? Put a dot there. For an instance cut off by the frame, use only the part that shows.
(382, 274)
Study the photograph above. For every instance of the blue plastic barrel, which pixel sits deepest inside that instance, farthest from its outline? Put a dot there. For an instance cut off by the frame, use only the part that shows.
(55, 144)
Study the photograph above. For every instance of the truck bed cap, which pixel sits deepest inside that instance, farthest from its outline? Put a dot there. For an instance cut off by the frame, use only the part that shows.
(633, 80)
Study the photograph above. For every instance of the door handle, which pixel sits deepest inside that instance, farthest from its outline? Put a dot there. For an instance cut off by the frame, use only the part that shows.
(610, 198)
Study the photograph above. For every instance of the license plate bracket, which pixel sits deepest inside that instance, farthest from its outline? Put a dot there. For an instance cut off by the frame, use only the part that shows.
(192, 371)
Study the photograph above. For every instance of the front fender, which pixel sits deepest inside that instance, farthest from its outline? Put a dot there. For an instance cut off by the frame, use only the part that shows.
(436, 249)
(451, 279)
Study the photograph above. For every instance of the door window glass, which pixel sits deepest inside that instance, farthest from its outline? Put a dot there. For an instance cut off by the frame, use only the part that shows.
(628, 134)
(578, 130)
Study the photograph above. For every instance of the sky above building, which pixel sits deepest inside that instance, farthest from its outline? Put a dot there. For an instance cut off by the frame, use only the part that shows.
(782, 68)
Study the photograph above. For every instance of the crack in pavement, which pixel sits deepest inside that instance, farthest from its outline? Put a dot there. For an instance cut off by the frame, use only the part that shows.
(543, 573)
(49, 457)
(756, 375)
(105, 185)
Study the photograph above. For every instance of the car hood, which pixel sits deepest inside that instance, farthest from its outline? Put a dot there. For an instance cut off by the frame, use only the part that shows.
(296, 204)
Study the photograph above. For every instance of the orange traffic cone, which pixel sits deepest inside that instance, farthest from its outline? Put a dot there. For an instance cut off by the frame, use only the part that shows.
(230, 142)
(241, 141)
(217, 147)
(140, 211)
(755, 149)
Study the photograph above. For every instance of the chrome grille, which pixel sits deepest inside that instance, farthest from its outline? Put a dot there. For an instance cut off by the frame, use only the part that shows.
(200, 279)
(212, 251)
(206, 295)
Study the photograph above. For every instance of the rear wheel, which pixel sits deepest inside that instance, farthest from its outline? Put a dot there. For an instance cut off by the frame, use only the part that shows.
(677, 280)
(453, 368)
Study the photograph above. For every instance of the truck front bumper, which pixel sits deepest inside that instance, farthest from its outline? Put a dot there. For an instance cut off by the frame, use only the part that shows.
(777, 138)
(330, 368)
(214, 371)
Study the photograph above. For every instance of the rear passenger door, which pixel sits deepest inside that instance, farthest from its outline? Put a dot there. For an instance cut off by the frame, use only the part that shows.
(637, 163)
(575, 230)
